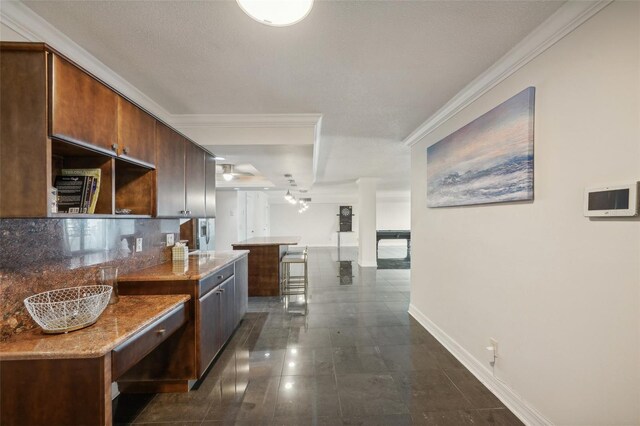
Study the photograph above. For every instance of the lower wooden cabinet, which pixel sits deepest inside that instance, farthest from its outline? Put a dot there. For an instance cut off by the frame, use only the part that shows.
(218, 304)
(210, 335)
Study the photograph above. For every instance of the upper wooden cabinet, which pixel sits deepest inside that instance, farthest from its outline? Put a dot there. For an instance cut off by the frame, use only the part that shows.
(56, 116)
(82, 109)
(210, 185)
(136, 133)
(170, 161)
(194, 180)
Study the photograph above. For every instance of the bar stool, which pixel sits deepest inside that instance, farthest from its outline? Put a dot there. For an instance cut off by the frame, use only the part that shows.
(291, 285)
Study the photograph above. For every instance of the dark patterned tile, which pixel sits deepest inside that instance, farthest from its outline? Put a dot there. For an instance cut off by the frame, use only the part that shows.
(308, 362)
(366, 395)
(350, 336)
(473, 389)
(358, 359)
(306, 397)
(429, 390)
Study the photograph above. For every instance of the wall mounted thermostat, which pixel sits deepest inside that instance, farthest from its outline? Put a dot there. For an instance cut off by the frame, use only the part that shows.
(611, 201)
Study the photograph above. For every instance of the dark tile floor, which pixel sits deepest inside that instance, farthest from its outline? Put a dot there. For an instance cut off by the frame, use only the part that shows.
(356, 358)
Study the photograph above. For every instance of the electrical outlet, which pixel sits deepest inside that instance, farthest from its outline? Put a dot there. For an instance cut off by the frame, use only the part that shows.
(494, 343)
(138, 244)
(169, 239)
(492, 351)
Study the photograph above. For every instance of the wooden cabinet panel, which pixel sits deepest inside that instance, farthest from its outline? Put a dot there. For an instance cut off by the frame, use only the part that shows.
(228, 311)
(60, 392)
(212, 281)
(170, 169)
(211, 333)
(210, 185)
(194, 180)
(82, 109)
(25, 166)
(136, 133)
(242, 288)
(134, 349)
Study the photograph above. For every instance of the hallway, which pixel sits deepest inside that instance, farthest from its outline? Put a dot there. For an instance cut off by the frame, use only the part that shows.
(357, 358)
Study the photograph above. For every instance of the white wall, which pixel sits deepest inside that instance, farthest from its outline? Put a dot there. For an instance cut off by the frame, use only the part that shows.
(226, 219)
(240, 215)
(317, 227)
(560, 292)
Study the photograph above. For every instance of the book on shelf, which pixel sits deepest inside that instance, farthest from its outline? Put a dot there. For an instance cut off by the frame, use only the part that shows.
(78, 190)
(71, 193)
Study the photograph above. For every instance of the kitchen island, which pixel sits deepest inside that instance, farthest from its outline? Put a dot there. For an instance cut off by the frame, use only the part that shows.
(265, 254)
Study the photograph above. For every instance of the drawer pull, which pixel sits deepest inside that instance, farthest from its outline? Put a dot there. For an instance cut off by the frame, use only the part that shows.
(161, 331)
(220, 277)
(114, 147)
(222, 290)
(218, 292)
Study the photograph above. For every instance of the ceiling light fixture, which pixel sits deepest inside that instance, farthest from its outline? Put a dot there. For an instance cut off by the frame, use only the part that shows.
(276, 13)
(288, 196)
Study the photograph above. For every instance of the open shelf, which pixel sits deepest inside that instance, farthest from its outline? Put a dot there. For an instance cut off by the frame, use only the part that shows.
(134, 188)
(123, 184)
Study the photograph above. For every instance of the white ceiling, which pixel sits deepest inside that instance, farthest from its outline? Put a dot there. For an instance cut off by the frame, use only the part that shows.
(375, 70)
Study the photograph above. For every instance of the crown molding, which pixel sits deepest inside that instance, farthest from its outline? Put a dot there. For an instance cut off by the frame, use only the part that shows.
(33, 27)
(246, 120)
(566, 19)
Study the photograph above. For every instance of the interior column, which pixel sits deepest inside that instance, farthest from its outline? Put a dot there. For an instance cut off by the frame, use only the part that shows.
(367, 222)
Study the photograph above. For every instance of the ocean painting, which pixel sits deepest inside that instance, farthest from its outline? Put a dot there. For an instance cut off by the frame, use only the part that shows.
(490, 160)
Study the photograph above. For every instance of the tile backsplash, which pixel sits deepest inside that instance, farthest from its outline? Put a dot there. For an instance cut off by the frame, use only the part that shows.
(37, 255)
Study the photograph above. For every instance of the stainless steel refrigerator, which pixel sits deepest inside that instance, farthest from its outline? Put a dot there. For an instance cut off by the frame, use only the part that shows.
(205, 240)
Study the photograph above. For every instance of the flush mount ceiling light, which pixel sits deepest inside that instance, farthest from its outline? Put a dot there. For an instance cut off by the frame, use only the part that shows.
(276, 13)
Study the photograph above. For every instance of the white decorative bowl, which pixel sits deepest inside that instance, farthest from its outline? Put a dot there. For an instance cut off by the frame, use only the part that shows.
(68, 309)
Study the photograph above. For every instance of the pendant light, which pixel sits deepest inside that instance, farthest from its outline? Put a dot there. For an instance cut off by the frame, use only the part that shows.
(276, 13)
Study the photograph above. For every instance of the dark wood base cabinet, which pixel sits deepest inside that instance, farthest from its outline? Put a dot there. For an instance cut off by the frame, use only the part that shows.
(77, 391)
(218, 304)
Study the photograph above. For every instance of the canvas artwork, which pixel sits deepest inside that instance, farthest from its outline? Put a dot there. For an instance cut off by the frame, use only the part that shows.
(490, 160)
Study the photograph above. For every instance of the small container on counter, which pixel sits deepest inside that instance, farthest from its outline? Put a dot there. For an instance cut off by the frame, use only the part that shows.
(180, 252)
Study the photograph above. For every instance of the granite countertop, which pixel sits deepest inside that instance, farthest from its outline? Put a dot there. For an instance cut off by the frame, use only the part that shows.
(199, 266)
(116, 324)
(268, 241)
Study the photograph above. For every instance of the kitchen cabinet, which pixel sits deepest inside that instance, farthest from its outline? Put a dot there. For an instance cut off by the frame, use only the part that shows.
(242, 287)
(170, 166)
(210, 185)
(180, 175)
(83, 110)
(54, 116)
(211, 334)
(219, 299)
(194, 180)
(136, 133)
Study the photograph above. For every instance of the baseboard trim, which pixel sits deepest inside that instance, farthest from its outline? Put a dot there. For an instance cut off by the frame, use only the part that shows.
(519, 407)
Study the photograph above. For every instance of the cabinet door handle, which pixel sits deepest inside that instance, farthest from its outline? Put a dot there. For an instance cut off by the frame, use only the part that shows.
(125, 150)
(188, 212)
(114, 147)
(218, 292)
(161, 331)
(183, 212)
(222, 290)
(220, 277)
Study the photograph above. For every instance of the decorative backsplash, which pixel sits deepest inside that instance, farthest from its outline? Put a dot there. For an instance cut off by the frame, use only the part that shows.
(37, 255)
